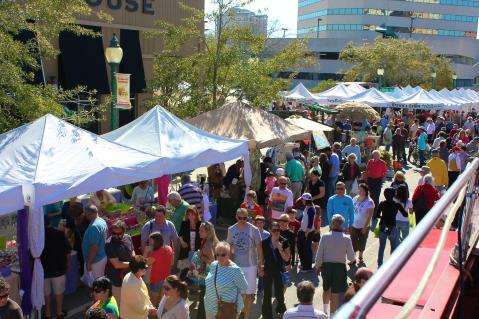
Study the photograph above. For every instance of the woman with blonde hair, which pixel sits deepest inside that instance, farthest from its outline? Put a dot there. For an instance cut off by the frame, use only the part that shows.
(201, 260)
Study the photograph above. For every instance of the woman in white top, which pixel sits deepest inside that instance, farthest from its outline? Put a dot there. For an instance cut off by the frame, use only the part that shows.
(363, 212)
(402, 223)
(173, 304)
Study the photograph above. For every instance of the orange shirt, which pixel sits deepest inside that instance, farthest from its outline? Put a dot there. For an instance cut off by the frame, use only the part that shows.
(160, 269)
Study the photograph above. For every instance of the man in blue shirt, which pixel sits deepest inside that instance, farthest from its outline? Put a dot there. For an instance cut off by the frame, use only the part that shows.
(93, 245)
(352, 148)
(422, 146)
(333, 170)
(341, 204)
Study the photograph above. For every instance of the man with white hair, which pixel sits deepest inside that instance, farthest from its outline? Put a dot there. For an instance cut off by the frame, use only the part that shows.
(179, 208)
(334, 248)
(280, 199)
(353, 148)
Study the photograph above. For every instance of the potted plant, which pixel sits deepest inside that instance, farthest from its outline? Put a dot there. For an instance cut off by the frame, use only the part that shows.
(387, 157)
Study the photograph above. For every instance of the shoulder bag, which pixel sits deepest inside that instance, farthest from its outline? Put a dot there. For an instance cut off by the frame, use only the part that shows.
(226, 310)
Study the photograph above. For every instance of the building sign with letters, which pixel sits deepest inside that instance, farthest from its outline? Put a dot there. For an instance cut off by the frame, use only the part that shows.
(144, 6)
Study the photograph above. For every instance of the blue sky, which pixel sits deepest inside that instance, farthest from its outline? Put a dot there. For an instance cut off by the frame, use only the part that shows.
(283, 12)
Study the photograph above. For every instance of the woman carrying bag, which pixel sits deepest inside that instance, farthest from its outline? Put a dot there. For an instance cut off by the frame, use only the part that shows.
(225, 285)
(351, 173)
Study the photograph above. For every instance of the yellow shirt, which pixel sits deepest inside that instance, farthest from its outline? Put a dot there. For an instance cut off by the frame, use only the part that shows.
(438, 171)
(135, 302)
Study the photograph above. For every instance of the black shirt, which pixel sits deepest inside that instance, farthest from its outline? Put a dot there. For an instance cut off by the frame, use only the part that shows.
(121, 249)
(11, 311)
(314, 190)
(55, 254)
(273, 262)
(185, 235)
(387, 211)
(290, 237)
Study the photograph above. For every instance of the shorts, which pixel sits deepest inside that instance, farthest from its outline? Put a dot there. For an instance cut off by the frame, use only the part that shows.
(156, 287)
(359, 239)
(55, 284)
(251, 274)
(334, 276)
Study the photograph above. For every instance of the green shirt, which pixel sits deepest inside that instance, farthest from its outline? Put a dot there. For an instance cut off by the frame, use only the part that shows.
(179, 214)
(295, 171)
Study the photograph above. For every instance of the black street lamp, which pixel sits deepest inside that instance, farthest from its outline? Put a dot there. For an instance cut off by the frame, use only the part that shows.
(454, 80)
(380, 73)
(113, 54)
(317, 28)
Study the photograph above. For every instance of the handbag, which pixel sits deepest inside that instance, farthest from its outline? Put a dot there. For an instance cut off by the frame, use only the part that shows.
(354, 187)
(226, 310)
(420, 204)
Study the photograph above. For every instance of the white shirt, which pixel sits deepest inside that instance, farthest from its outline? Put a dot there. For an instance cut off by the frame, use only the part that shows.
(437, 142)
(431, 128)
(281, 200)
(361, 211)
(304, 312)
(399, 216)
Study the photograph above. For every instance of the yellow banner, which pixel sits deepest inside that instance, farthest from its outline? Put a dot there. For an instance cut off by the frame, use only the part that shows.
(123, 91)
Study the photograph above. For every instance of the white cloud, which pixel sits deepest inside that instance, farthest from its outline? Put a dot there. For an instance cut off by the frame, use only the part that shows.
(281, 14)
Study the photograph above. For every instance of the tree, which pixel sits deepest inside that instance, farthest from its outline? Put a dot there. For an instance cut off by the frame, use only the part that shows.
(227, 64)
(21, 100)
(324, 85)
(405, 62)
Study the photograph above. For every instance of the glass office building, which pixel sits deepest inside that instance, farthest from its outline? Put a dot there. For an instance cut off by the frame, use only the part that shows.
(448, 26)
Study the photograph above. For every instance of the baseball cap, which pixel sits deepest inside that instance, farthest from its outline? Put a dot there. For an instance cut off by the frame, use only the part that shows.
(280, 172)
(425, 169)
(307, 196)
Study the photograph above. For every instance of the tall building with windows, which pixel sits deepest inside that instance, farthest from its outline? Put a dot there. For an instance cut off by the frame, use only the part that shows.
(449, 27)
(240, 17)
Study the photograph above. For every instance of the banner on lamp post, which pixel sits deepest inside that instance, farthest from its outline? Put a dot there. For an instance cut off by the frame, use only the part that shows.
(123, 91)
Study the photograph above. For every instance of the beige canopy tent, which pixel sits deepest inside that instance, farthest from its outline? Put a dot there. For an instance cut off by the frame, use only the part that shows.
(241, 121)
(307, 124)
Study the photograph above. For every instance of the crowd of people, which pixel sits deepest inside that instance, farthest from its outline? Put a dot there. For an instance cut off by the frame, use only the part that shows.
(277, 228)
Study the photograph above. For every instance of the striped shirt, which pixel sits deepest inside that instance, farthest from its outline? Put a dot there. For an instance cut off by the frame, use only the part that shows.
(231, 284)
(192, 194)
(304, 312)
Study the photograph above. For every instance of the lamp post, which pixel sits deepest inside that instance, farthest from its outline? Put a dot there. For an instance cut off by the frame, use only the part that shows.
(113, 55)
(433, 77)
(380, 73)
(317, 28)
(454, 80)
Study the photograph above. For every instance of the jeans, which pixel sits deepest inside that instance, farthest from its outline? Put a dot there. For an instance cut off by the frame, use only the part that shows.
(375, 185)
(393, 241)
(331, 186)
(304, 249)
(271, 278)
(422, 157)
(403, 230)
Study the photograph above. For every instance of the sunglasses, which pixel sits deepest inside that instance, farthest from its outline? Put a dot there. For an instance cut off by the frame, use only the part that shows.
(259, 220)
(167, 288)
(276, 230)
(221, 255)
(340, 189)
(283, 183)
(283, 221)
(117, 234)
(242, 218)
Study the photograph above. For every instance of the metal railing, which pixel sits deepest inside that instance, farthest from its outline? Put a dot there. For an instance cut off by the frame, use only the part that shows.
(368, 295)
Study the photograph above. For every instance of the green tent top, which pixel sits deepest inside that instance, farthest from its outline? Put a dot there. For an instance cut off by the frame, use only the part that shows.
(321, 108)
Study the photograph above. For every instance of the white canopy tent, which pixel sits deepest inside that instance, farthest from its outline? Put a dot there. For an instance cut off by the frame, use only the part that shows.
(356, 88)
(335, 95)
(300, 93)
(424, 100)
(182, 146)
(372, 97)
(52, 160)
(11, 198)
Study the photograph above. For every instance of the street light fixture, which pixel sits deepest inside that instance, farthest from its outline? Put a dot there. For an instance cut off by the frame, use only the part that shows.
(433, 77)
(113, 55)
(317, 28)
(454, 80)
(380, 73)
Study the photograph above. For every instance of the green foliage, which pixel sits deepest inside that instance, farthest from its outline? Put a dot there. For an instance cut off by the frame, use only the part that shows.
(405, 62)
(20, 100)
(387, 157)
(324, 85)
(217, 67)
